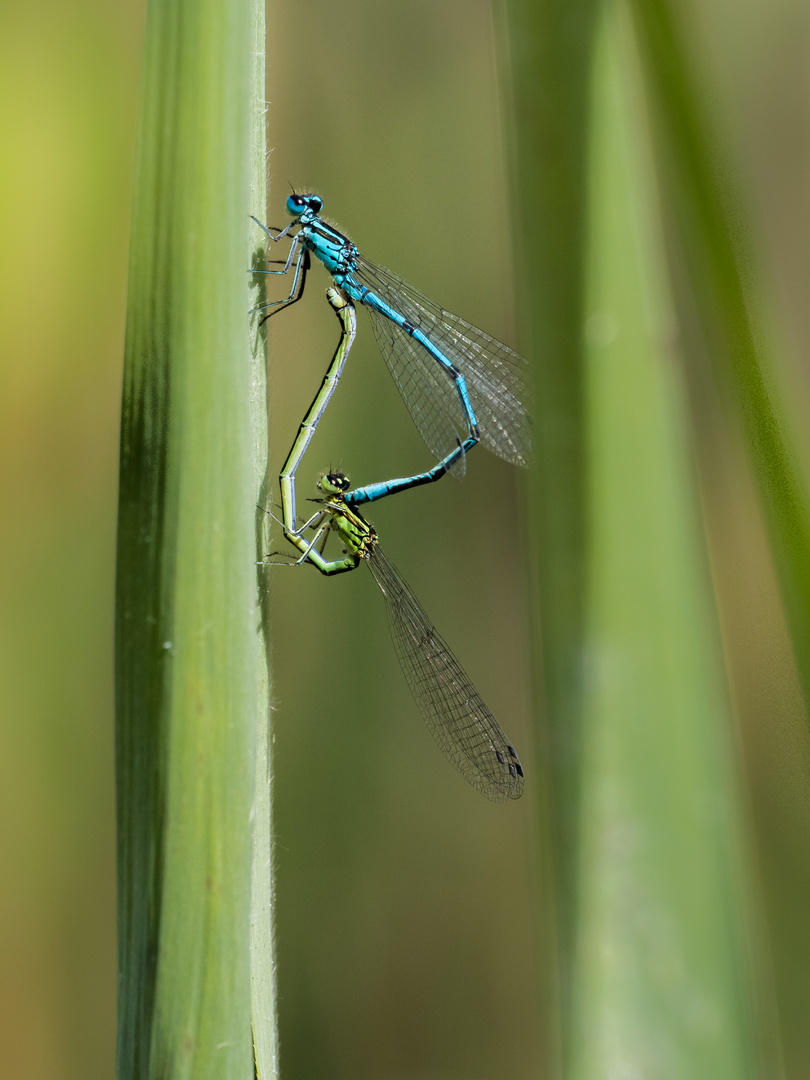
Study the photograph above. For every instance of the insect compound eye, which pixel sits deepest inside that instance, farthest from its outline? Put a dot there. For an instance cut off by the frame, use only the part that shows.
(339, 481)
(314, 202)
(333, 482)
(296, 205)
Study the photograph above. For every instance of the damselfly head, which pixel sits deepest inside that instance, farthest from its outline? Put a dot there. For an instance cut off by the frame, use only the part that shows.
(297, 205)
(333, 483)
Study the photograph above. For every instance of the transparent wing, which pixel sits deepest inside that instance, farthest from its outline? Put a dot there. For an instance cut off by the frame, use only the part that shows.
(497, 377)
(456, 714)
(430, 395)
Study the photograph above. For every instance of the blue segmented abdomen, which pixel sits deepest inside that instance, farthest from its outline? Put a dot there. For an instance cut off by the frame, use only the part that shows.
(363, 295)
(455, 379)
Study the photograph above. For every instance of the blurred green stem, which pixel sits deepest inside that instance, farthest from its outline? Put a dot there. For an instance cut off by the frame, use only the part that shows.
(631, 668)
(661, 963)
(189, 668)
(550, 46)
(717, 305)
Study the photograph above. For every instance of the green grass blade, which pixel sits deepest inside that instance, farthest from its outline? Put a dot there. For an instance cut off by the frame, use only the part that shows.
(262, 909)
(660, 968)
(549, 62)
(187, 656)
(717, 308)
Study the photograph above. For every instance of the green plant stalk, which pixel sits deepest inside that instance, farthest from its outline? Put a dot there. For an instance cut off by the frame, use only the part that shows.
(188, 661)
(550, 55)
(717, 308)
(262, 898)
(660, 978)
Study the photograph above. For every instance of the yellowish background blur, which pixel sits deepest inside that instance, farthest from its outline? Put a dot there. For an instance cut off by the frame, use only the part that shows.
(406, 945)
(69, 75)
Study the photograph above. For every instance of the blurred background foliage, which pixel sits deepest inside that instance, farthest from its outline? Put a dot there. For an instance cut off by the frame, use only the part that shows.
(408, 914)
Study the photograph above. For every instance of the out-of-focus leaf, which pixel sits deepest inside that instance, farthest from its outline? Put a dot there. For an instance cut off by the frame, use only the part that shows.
(661, 966)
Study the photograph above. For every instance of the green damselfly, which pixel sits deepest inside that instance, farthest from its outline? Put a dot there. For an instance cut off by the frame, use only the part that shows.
(455, 713)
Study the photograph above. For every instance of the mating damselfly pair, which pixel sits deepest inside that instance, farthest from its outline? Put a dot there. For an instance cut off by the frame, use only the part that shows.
(460, 386)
